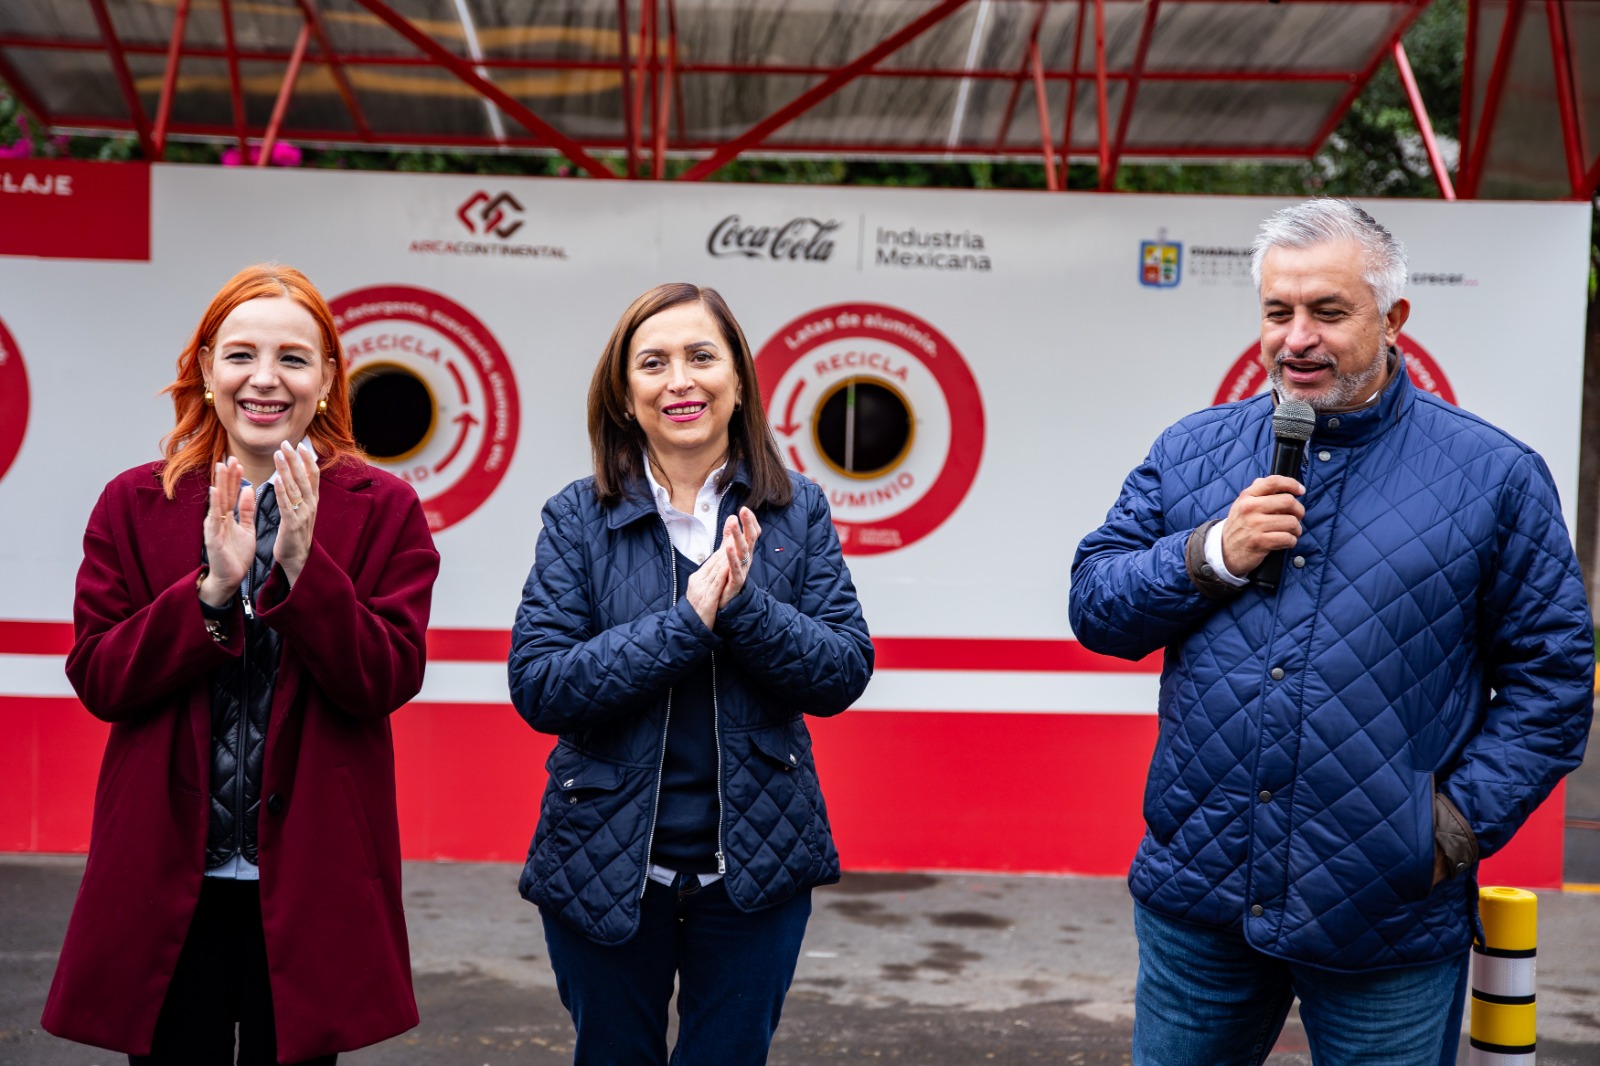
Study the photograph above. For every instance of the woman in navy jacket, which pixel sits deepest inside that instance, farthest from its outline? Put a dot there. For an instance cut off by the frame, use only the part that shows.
(688, 605)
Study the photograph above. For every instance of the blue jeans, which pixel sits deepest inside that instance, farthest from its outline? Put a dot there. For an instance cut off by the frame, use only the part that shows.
(733, 969)
(1205, 997)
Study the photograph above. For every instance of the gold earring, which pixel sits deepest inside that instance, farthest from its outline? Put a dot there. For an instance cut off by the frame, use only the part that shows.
(322, 406)
(210, 397)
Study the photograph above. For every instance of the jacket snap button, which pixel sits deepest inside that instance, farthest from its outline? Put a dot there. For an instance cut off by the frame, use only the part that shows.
(1299, 561)
(1277, 673)
(568, 782)
(1257, 911)
(1324, 455)
(1265, 796)
(792, 760)
(276, 804)
(1333, 423)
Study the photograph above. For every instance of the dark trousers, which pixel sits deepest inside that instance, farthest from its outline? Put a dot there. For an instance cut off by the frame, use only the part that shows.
(221, 981)
(732, 968)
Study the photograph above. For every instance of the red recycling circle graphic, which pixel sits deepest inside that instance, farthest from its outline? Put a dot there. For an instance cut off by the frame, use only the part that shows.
(13, 400)
(473, 435)
(1247, 376)
(815, 355)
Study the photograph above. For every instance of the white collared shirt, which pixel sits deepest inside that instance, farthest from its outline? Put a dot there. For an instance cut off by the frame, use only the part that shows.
(692, 534)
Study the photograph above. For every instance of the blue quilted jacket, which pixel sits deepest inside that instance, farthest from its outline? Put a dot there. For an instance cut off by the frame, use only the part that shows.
(600, 639)
(1430, 632)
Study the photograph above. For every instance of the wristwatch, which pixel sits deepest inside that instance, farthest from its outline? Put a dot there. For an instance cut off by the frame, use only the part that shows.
(215, 617)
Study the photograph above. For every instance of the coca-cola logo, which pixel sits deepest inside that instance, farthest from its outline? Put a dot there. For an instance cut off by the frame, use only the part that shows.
(799, 238)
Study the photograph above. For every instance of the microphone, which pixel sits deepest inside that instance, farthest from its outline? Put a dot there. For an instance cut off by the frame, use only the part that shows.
(1292, 424)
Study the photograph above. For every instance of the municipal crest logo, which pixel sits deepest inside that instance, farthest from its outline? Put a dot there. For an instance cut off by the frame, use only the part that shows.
(1160, 262)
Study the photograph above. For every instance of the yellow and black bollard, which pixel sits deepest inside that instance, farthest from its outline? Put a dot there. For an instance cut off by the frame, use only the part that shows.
(1503, 971)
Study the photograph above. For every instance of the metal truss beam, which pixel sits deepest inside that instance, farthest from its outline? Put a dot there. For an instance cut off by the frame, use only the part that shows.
(824, 89)
(507, 103)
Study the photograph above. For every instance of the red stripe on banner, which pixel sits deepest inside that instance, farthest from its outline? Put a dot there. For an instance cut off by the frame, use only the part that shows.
(35, 638)
(75, 209)
(893, 653)
(974, 653)
(469, 645)
(905, 789)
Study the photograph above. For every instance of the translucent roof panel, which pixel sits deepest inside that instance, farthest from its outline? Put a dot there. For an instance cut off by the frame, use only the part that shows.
(1203, 79)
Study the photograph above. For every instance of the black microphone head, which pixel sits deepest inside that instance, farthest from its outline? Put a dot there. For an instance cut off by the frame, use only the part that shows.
(1294, 420)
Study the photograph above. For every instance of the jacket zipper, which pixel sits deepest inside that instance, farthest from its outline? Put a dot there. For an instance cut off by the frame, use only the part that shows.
(666, 719)
(244, 712)
(716, 718)
(716, 728)
(716, 738)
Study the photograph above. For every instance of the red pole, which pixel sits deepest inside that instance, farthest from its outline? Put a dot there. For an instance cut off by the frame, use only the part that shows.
(1468, 83)
(624, 51)
(1359, 81)
(1100, 86)
(507, 103)
(1472, 175)
(1561, 53)
(1419, 110)
(1141, 52)
(647, 29)
(235, 89)
(119, 65)
(1020, 76)
(282, 105)
(169, 78)
(823, 89)
(346, 92)
(657, 91)
(1072, 93)
(669, 81)
(1043, 104)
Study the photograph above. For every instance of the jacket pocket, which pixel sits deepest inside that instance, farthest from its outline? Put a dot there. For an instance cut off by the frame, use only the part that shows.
(582, 797)
(1159, 793)
(779, 799)
(1414, 878)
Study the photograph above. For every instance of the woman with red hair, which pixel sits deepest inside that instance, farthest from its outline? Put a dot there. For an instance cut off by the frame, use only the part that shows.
(249, 611)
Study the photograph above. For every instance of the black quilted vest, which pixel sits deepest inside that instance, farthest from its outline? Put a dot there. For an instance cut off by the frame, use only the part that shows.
(241, 699)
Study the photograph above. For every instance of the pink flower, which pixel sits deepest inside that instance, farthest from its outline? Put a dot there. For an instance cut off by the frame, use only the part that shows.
(23, 149)
(283, 155)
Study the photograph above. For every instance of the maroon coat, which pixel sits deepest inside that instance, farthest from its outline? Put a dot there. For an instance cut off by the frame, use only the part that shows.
(353, 631)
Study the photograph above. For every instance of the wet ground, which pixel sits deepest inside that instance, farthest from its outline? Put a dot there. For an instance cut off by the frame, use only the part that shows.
(937, 970)
(925, 969)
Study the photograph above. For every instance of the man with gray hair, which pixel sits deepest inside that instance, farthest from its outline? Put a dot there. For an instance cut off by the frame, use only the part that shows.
(1338, 747)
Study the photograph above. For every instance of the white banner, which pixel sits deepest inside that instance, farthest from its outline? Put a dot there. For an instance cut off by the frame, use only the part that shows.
(969, 374)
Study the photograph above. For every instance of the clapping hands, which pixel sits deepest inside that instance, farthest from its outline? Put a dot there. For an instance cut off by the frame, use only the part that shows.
(722, 576)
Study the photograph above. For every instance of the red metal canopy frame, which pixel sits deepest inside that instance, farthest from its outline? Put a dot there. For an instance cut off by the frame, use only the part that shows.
(651, 70)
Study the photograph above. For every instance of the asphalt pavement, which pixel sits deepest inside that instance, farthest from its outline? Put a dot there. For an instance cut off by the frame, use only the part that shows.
(932, 969)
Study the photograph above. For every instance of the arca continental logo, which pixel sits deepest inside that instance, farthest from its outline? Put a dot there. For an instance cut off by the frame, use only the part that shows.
(492, 219)
(483, 213)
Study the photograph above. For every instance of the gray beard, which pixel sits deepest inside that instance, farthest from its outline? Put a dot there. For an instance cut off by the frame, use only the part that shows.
(1347, 389)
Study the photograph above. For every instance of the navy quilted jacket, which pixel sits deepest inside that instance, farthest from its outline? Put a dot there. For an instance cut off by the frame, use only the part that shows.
(600, 639)
(1431, 631)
